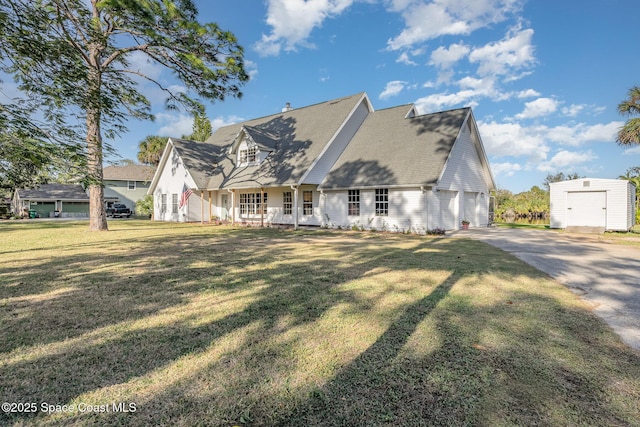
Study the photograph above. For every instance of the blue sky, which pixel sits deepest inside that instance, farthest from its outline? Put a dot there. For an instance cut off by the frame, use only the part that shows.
(544, 77)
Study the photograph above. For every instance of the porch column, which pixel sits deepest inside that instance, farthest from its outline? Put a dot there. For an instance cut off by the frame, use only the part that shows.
(210, 206)
(201, 206)
(262, 207)
(295, 206)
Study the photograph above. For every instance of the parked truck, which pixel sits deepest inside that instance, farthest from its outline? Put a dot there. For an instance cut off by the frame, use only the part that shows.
(118, 210)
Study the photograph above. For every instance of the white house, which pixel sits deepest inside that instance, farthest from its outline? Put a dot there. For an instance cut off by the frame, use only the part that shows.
(608, 204)
(336, 163)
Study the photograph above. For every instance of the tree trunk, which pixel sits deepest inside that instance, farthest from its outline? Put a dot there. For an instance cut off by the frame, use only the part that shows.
(97, 214)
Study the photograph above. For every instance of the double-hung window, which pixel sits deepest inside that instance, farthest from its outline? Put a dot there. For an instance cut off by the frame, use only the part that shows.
(382, 202)
(307, 203)
(174, 203)
(163, 203)
(287, 203)
(354, 203)
(131, 185)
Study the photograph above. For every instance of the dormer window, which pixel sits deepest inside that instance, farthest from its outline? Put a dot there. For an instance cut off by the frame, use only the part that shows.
(248, 155)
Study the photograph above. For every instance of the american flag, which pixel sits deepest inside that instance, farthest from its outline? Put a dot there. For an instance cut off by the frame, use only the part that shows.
(184, 197)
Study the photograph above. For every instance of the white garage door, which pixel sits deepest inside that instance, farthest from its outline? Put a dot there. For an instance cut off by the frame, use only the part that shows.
(470, 208)
(587, 209)
(448, 208)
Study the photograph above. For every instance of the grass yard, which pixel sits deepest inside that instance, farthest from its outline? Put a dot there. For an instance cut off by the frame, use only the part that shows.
(202, 325)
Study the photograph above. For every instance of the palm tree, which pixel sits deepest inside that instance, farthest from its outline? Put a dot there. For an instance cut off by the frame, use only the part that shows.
(150, 149)
(629, 134)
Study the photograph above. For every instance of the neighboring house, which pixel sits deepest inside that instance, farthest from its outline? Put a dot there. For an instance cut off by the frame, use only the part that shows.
(52, 200)
(126, 184)
(336, 163)
(607, 204)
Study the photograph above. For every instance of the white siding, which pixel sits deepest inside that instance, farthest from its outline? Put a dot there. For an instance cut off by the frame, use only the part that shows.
(171, 181)
(618, 197)
(464, 173)
(326, 160)
(407, 211)
(631, 206)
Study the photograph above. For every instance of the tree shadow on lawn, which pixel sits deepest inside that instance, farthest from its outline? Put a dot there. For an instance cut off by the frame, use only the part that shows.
(82, 333)
(230, 335)
(492, 372)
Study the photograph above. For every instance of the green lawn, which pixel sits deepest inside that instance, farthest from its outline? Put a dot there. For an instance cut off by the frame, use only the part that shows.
(204, 325)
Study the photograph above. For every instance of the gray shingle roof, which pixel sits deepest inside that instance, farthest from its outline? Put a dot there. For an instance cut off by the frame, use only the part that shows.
(392, 150)
(55, 192)
(302, 134)
(128, 173)
(200, 158)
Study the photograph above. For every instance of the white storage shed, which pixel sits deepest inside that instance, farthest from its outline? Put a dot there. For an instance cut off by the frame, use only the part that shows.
(608, 204)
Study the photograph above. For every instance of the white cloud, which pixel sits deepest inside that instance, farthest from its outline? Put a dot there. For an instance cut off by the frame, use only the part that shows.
(512, 139)
(444, 57)
(392, 88)
(632, 151)
(292, 22)
(582, 133)
(252, 69)
(404, 59)
(140, 62)
(174, 125)
(177, 125)
(538, 108)
(529, 93)
(565, 158)
(220, 121)
(505, 169)
(573, 110)
(437, 102)
(426, 20)
(470, 90)
(505, 56)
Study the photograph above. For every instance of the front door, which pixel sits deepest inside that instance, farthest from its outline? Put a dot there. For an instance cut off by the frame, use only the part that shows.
(225, 207)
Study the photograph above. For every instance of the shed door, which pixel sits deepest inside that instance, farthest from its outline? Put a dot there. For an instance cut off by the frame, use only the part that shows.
(448, 209)
(587, 209)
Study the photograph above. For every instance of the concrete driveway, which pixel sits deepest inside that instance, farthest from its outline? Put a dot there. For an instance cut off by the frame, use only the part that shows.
(604, 274)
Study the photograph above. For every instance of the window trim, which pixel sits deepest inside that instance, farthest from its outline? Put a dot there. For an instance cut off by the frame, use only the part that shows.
(287, 203)
(248, 155)
(307, 205)
(353, 202)
(249, 204)
(129, 186)
(163, 203)
(382, 202)
(174, 203)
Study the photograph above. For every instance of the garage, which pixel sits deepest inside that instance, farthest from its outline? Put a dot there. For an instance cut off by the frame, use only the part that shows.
(603, 204)
(448, 204)
(587, 209)
(471, 208)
